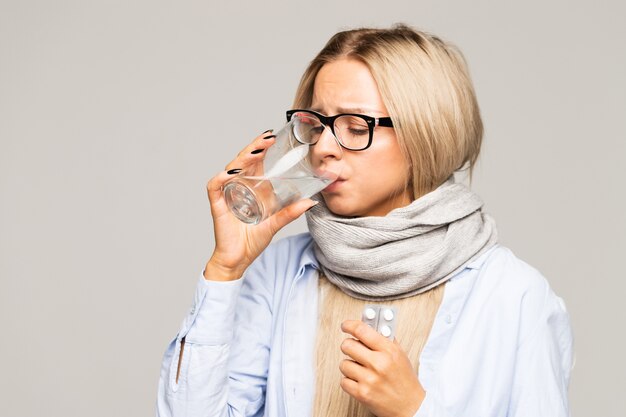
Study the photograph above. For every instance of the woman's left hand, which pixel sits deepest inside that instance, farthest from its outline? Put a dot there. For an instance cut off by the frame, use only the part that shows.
(379, 373)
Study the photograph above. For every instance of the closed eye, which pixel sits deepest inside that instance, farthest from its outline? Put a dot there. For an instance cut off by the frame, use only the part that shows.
(358, 132)
(317, 130)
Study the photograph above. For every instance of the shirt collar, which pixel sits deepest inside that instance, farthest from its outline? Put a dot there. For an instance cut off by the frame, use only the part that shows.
(308, 255)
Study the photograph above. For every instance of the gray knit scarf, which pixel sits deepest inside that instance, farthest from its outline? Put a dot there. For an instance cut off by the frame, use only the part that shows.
(410, 250)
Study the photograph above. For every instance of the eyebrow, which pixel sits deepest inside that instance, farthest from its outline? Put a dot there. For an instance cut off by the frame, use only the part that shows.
(360, 110)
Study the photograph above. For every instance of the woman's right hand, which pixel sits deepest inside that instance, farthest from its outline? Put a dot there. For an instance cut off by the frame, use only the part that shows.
(237, 244)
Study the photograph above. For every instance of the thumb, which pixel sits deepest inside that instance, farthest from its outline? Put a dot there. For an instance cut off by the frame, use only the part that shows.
(288, 214)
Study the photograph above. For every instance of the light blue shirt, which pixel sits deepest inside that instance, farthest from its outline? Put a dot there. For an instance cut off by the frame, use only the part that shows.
(500, 345)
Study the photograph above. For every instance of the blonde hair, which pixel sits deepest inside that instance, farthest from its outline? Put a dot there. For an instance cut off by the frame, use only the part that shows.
(425, 85)
(415, 318)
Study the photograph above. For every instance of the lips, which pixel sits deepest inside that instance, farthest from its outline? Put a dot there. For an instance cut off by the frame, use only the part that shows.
(334, 186)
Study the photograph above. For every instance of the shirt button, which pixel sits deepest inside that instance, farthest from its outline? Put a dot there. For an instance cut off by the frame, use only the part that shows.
(448, 319)
(193, 310)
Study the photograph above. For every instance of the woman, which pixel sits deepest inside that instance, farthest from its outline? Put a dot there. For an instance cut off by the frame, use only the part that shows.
(273, 330)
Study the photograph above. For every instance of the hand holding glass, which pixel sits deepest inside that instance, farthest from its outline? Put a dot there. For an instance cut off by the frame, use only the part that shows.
(286, 174)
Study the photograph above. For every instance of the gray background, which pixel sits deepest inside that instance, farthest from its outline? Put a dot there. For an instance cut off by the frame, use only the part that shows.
(114, 114)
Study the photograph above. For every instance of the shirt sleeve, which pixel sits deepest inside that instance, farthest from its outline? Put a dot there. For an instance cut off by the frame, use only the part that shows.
(543, 366)
(205, 335)
(225, 340)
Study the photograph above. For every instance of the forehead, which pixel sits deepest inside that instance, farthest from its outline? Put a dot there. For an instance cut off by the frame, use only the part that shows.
(346, 85)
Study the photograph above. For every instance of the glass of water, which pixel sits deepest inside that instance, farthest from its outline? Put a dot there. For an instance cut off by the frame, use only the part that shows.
(286, 175)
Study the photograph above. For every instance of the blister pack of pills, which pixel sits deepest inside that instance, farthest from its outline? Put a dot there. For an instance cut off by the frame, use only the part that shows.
(381, 318)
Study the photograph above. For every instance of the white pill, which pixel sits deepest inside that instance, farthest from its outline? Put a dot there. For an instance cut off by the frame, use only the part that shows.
(370, 313)
(385, 331)
(388, 314)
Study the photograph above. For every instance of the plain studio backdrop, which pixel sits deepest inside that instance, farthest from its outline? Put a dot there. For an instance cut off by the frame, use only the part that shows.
(115, 114)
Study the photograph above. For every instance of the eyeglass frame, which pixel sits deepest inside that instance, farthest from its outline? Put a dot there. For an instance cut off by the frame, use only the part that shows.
(329, 121)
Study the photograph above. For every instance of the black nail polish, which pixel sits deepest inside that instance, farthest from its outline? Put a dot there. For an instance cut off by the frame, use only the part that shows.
(268, 130)
(256, 151)
(233, 171)
(269, 137)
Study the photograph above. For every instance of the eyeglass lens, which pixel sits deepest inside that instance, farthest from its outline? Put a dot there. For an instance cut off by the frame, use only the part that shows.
(351, 131)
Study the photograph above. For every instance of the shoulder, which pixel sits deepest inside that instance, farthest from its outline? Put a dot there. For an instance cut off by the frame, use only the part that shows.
(289, 250)
(508, 287)
(280, 262)
(502, 273)
(292, 243)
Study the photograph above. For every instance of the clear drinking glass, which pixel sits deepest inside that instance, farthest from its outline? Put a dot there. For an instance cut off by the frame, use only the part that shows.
(286, 175)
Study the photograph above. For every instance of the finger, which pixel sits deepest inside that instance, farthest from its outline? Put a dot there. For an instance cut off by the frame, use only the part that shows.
(353, 370)
(215, 185)
(260, 141)
(349, 386)
(288, 214)
(238, 165)
(366, 334)
(357, 351)
(254, 152)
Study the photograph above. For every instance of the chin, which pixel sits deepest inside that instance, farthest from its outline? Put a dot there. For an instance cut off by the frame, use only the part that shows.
(341, 206)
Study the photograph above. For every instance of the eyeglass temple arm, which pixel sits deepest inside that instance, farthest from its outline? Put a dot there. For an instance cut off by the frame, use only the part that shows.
(384, 121)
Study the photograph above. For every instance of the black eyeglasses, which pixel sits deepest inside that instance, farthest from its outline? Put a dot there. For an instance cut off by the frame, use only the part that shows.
(353, 131)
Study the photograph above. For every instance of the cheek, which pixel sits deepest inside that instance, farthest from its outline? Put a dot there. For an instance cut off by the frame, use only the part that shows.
(386, 168)
(374, 175)
(379, 177)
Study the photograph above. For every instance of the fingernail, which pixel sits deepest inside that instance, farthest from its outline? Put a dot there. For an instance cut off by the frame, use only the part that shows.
(269, 137)
(268, 130)
(256, 151)
(233, 171)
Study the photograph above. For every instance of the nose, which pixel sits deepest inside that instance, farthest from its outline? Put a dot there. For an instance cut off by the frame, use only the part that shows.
(326, 148)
